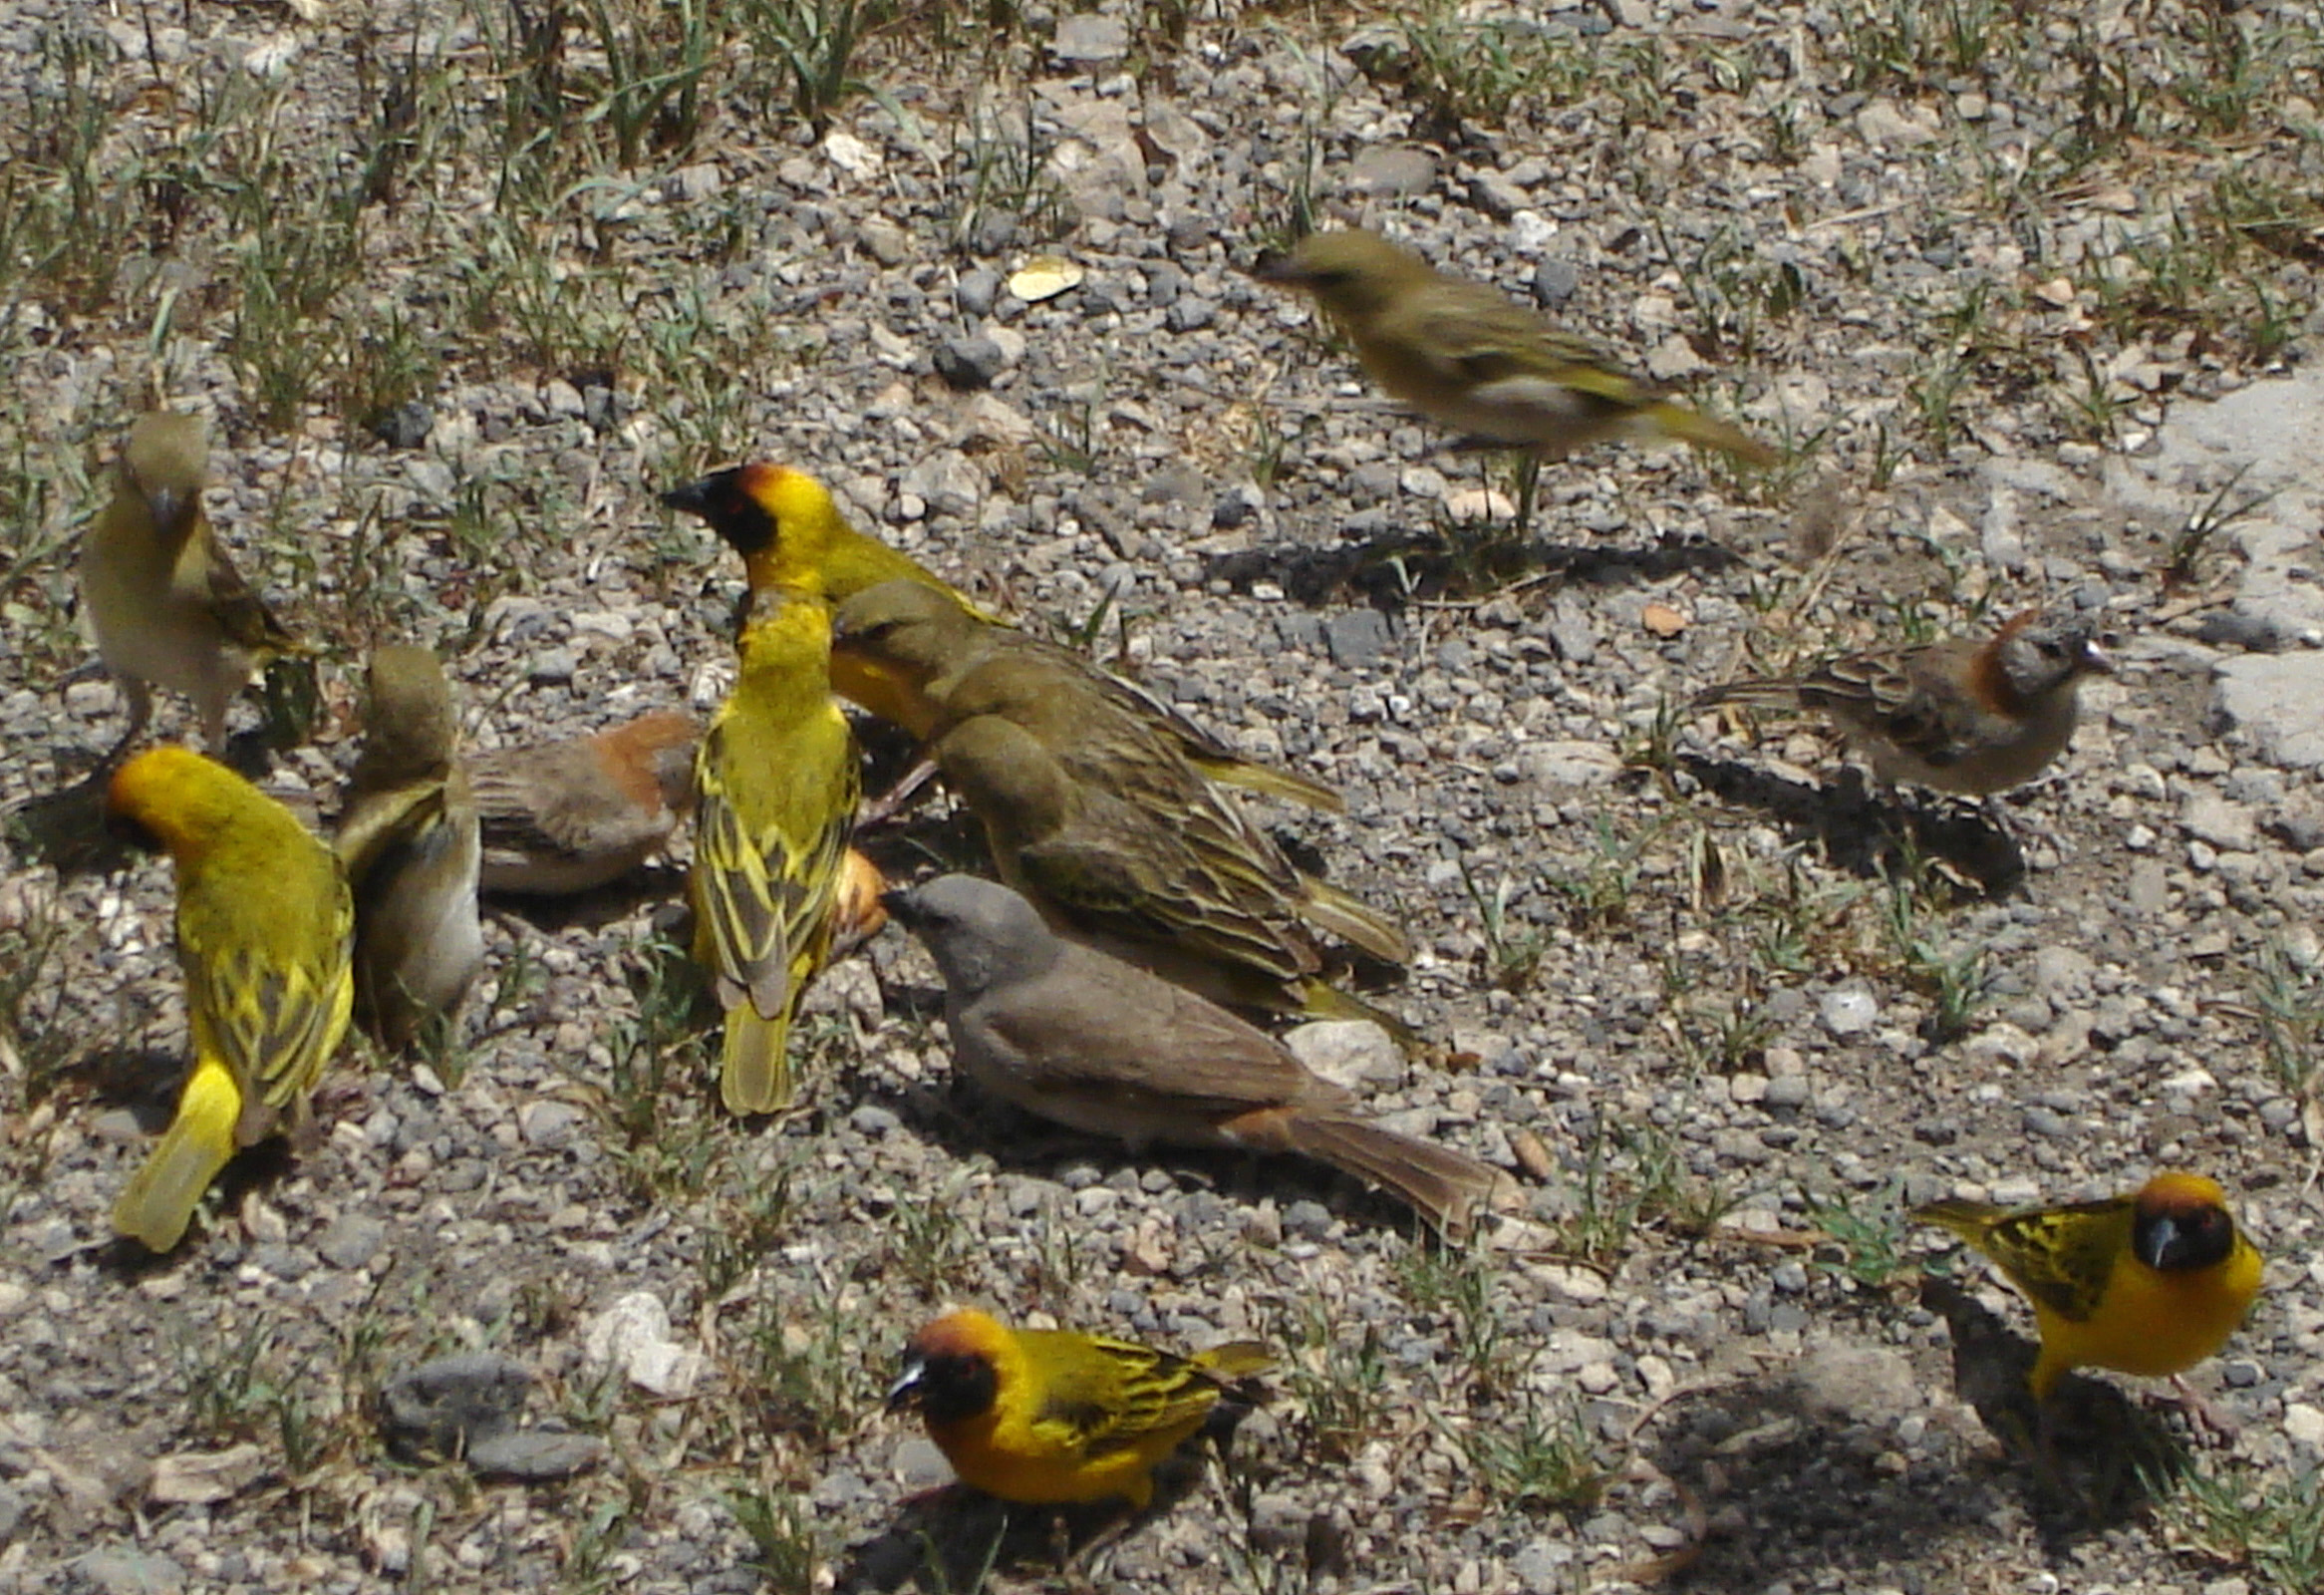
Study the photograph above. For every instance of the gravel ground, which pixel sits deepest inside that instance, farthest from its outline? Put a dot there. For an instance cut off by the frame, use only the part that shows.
(2009, 290)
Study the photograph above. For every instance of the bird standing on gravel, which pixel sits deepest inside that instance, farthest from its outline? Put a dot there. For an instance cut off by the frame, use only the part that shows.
(1464, 354)
(164, 602)
(1053, 1416)
(1968, 716)
(565, 818)
(265, 940)
(912, 637)
(2150, 1284)
(410, 842)
(778, 778)
(1066, 1032)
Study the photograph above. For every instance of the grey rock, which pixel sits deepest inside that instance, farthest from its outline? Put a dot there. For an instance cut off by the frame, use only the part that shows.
(405, 426)
(967, 364)
(1850, 1011)
(1190, 313)
(1392, 170)
(534, 1453)
(1856, 1384)
(353, 1240)
(884, 241)
(977, 291)
(1087, 38)
(1497, 196)
(1354, 1052)
(1307, 1221)
(1176, 483)
(1571, 631)
(2226, 825)
(549, 1123)
(1237, 505)
(443, 1406)
(1357, 638)
(124, 1570)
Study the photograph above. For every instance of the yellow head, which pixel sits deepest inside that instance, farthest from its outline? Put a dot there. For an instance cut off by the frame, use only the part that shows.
(181, 800)
(782, 521)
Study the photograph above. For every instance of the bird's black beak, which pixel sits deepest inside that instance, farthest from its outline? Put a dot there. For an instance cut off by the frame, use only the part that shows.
(903, 906)
(905, 1391)
(172, 507)
(1277, 265)
(2096, 657)
(693, 497)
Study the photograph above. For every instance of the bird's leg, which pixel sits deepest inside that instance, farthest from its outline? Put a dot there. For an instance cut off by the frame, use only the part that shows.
(137, 699)
(875, 812)
(1529, 475)
(2020, 828)
(2203, 1413)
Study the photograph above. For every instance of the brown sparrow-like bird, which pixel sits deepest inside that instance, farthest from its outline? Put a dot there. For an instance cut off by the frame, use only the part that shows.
(1968, 716)
(1079, 1037)
(566, 818)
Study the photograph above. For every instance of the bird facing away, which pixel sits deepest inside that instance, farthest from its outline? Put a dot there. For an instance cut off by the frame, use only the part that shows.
(919, 643)
(265, 941)
(1051, 1416)
(2150, 1284)
(565, 818)
(1075, 1036)
(164, 602)
(1465, 355)
(409, 841)
(779, 780)
(1968, 716)
(1174, 879)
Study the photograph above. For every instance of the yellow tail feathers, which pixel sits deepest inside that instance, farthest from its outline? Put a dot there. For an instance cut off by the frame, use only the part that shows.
(755, 1074)
(1705, 431)
(160, 1197)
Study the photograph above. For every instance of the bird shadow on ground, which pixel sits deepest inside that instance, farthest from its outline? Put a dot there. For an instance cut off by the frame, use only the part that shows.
(1862, 833)
(952, 1539)
(608, 904)
(1390, 571)
(67, 829)
(1781, 1490)
(2093, 1459)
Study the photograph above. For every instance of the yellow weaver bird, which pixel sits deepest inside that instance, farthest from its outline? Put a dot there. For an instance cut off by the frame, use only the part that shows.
(778, 781)
(2149, 1283)
(164, 602)
(265, 940)
(790, 534)
(1050, 1416)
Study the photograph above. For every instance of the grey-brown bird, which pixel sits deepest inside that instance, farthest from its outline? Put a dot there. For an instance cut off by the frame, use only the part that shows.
(407, 837)
(566, 818)
(164, 602)
(917, 642)
(1974, 716)
(1066, 1032)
